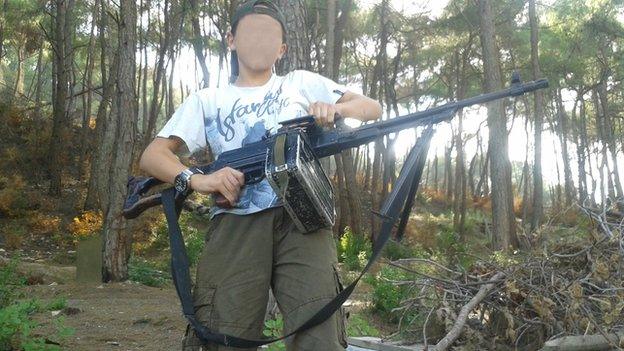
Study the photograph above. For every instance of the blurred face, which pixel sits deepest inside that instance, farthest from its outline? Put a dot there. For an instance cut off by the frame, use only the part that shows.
(258, 42)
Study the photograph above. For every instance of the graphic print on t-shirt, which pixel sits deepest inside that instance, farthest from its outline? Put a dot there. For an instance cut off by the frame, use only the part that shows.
(270, 106)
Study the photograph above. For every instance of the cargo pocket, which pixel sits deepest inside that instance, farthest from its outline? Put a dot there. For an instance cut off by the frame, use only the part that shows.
(204, 306)
(341, 315)
(204, 312)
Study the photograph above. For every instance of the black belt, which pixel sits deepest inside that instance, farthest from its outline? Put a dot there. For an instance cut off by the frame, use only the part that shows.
(397, 206)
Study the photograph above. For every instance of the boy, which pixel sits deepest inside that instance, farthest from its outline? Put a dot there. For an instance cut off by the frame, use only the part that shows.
(252, 244)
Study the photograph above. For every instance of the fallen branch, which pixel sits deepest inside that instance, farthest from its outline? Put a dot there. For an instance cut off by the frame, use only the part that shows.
(455, 331)
(584, 342)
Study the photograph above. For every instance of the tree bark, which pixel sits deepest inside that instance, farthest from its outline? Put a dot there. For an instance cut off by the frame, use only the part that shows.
(582, 152)
(18, 88)
(538, 110)
(97, 189)
(57, 158)
(4, 9)
(87, 98)
(459, 203)
(503, 220)
(299, 37)
(570, 193)
(448, 171)
(159, 72)
(608, 136)
(199, 43)
(117, 240)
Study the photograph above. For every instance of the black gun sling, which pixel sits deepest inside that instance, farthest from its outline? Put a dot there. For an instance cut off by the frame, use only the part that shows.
(396, 206)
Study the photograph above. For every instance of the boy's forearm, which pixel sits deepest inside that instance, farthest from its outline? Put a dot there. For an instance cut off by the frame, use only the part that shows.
(161, 163)
(359, 107)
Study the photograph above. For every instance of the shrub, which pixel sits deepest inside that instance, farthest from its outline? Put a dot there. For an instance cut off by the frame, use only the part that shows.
(87, 224)
(16, 328)
(43, 224)
(14, 232)
(16, 325)
(353, 250)
(386, 294)
(13, 201)
(193, 239)
(144, 272)
(57, 304)
(273, 328)
(10, 281)
(421, 229)
(359, 326)
(395, 250)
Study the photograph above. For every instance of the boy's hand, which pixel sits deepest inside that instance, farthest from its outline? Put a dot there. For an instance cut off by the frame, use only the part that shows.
(226, 181)
(323, 113)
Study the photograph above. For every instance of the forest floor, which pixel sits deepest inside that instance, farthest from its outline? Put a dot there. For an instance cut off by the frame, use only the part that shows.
(116, 316)
(113, 316)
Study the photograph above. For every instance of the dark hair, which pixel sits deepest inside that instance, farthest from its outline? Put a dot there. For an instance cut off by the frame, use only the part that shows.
(263, 7)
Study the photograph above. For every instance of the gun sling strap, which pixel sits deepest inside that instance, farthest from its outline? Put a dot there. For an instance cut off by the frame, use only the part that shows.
(397, 206)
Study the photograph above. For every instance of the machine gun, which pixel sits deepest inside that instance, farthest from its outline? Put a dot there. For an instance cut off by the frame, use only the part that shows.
(289, 161)
(251, 159)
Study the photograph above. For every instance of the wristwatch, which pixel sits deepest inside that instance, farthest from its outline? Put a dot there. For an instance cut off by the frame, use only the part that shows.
(182, 180)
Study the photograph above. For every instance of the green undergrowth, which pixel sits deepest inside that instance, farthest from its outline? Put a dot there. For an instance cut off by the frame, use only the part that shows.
(147, 272)
(18, 330)
(274, 328)
(151, 264)
(359, 324)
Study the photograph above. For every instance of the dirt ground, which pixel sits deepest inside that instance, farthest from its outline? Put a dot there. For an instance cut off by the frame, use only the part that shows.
(118, 316)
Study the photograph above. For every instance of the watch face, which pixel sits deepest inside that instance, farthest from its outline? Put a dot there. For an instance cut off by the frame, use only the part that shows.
(181, 183)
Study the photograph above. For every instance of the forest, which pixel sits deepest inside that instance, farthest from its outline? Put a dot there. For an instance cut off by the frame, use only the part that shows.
(514, 242)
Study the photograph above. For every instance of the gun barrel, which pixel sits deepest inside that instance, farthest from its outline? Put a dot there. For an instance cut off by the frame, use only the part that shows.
(332, 142)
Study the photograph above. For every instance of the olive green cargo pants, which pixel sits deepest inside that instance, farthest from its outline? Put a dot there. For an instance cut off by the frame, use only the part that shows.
(243, 257)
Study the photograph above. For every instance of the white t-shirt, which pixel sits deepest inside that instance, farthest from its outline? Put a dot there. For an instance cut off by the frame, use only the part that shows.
(229, 117)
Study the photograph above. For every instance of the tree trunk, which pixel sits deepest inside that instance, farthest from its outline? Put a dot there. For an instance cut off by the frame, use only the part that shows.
(299, 37)
(145, 114)
(376, 92)
(86, 98)
(97, 190)
(538, 110)
(117, 239)
(459, 204)
(605, 176)
(159, 73)
(570, 193)
(448, 171)
(582, 149)
(18, 88)
(503, 221)
(471, 170)
(4, 9)
(526, 193)
(435, 172)
(38, 85)
(341, 24)
(57, 158)
(330, 40)
(609, 139)
(199, 43)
